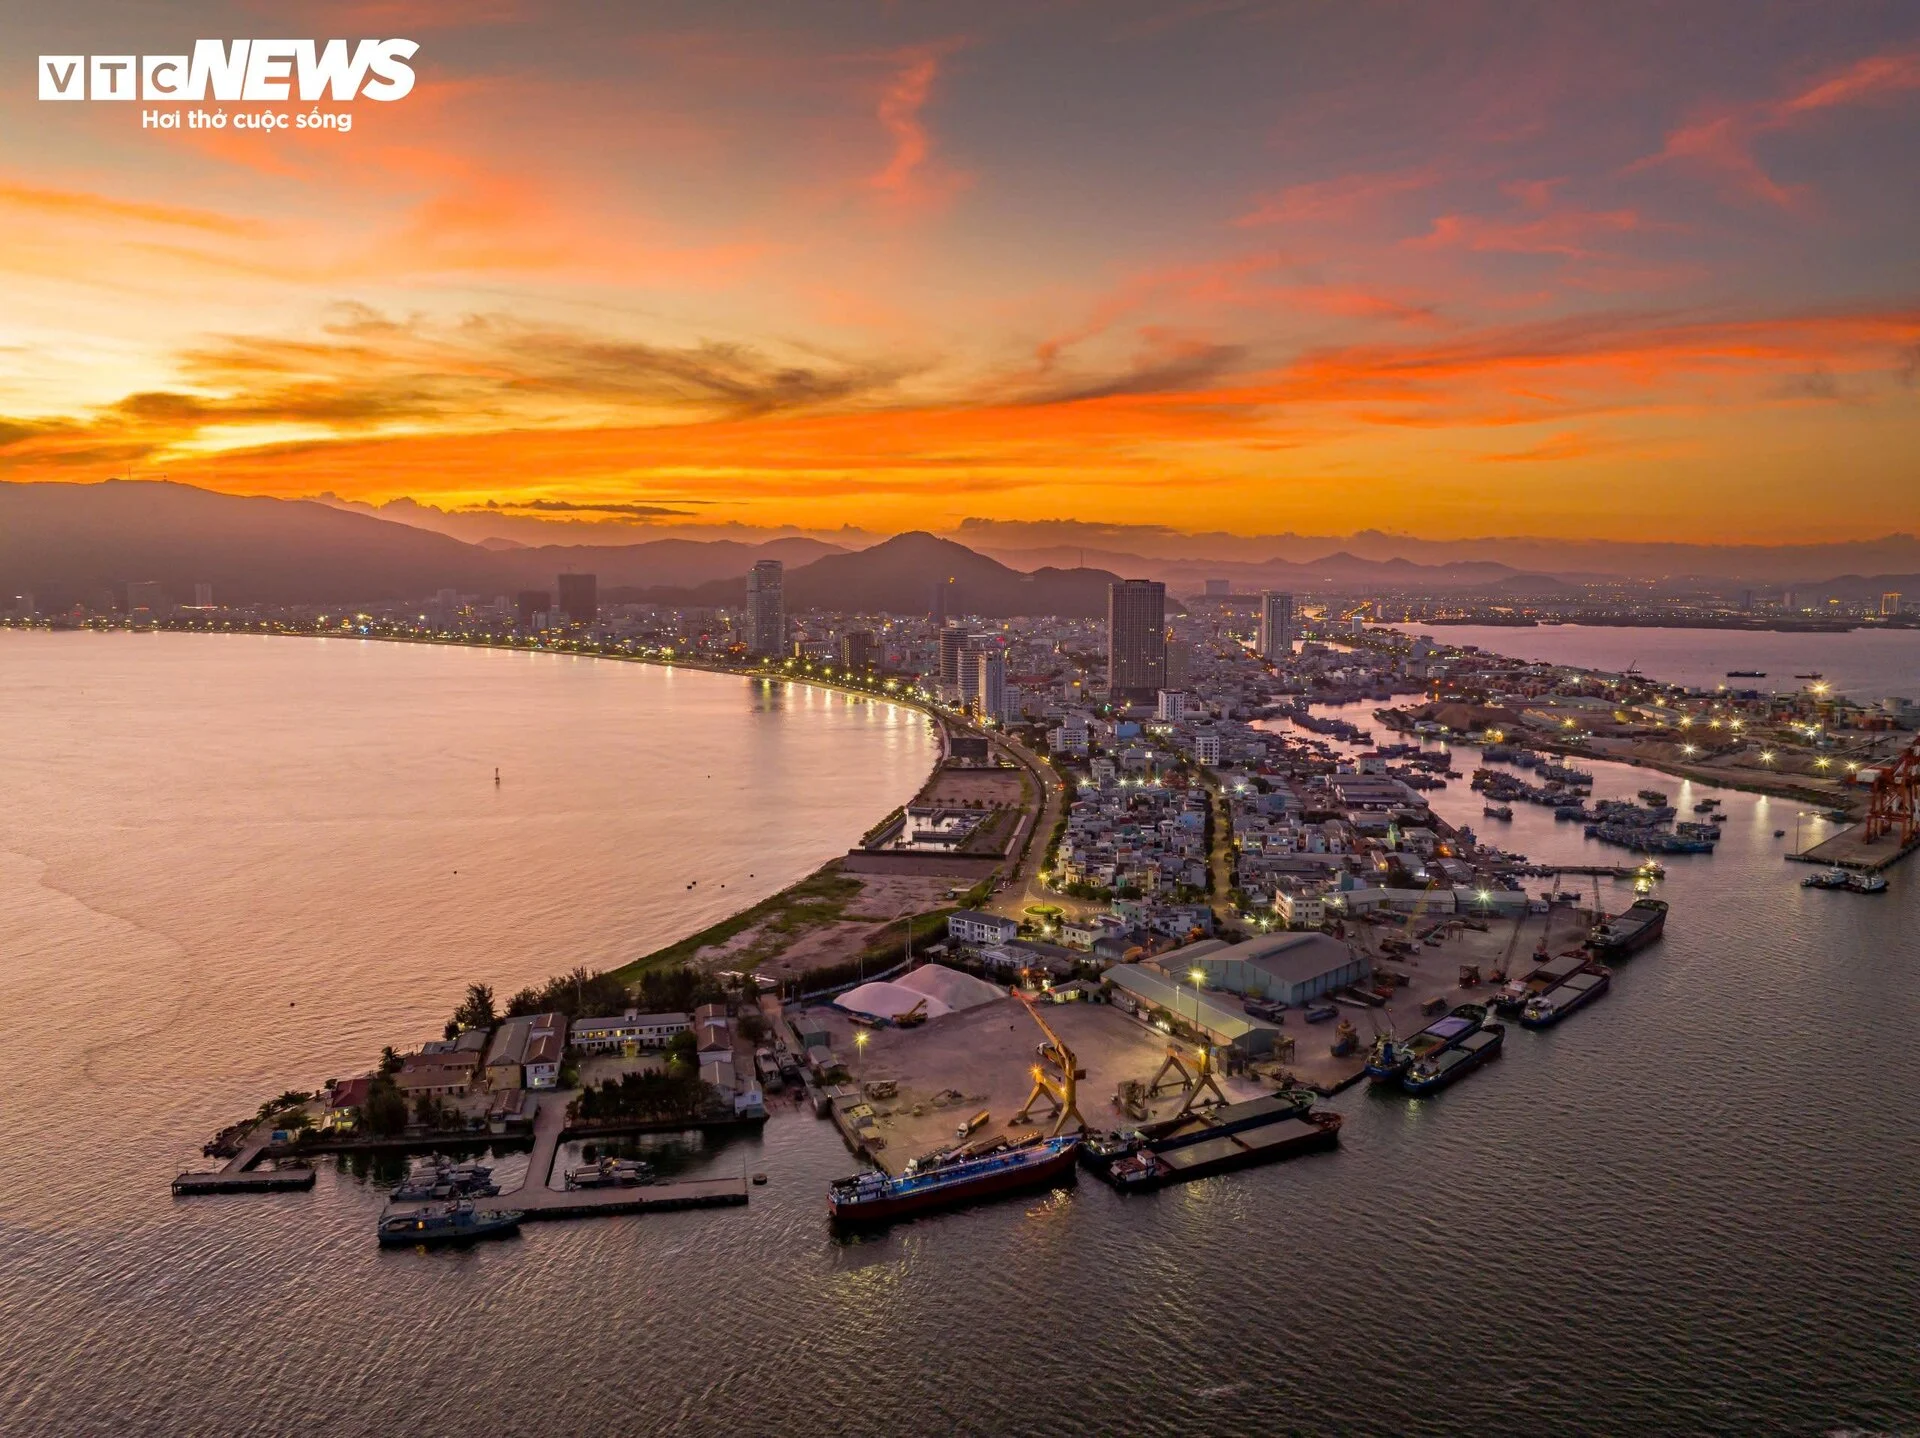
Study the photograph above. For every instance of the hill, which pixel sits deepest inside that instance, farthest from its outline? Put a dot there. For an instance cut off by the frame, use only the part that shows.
(900, 576)
(70, 541)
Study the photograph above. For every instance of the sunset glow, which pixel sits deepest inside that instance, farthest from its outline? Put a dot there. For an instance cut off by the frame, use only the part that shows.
(1587, 271)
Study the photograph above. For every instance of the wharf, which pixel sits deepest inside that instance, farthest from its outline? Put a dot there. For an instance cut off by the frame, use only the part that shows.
(1849, 849)
(238, 1174)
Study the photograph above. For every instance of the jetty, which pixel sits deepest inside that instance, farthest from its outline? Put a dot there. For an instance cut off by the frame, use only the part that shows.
(239, 1174)
(1851, 849)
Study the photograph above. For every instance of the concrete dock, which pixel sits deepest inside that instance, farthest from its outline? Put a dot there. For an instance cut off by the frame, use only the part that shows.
(238, 1174)
(1849, 849)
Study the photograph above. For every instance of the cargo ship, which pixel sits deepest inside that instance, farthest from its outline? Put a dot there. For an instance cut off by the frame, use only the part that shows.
(1575, 991)
(1391, 1058)
(1451, 1065)
(1100, 1152)
(1630, 932)
(437, 1223)
(1151, 1168)
(874, 1197)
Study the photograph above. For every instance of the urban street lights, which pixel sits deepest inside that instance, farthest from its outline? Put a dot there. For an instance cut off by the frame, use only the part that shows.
(860, 1037)
(1197, 975)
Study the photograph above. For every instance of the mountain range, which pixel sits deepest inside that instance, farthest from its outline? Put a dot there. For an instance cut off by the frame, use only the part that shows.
(69, 542)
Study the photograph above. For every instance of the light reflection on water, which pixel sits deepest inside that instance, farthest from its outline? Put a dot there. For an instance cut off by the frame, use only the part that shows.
(1682, 1211)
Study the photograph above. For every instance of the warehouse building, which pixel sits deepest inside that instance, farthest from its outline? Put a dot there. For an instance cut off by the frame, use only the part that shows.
(1150, 990)
(1288, 968)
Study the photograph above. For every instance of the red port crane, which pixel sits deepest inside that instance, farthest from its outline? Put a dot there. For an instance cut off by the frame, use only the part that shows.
(1895, 805)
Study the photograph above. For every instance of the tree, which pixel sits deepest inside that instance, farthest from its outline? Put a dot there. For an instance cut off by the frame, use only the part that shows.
(389, 1062)
(476, 1010)
(385, 1110)
(683, 1048)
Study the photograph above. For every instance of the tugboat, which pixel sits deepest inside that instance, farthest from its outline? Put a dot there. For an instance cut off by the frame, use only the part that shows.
(1866, 883)
(456, 1222)
(873, 1197)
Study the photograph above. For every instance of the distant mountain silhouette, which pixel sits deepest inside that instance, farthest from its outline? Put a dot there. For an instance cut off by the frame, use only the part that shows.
(899, 577)
(68, 542)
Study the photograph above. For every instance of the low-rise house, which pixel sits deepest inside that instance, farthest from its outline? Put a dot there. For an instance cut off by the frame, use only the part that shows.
(631, 1030)
(969, 926)
(444, 1075)
(546, 1051)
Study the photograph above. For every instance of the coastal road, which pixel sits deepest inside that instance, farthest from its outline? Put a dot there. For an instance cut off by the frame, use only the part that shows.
(1024, 886)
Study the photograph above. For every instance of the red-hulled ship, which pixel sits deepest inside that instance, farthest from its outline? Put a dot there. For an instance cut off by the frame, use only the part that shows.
(874, 1197)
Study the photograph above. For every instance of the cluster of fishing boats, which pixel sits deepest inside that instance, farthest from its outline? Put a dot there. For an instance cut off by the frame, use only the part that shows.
(440, 1178)
(1838, 878)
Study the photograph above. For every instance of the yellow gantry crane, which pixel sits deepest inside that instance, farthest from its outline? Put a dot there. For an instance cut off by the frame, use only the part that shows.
(1056, 1078)
(1200, 1080)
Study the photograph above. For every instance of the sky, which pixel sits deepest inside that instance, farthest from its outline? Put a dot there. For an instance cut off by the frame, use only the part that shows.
(1610, 271)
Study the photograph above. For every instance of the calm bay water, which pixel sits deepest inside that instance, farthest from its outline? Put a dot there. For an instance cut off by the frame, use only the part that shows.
(1863, 664)
(1685, 1211)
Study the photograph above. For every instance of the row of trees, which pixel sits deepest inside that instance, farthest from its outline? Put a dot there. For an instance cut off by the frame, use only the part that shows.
(676, 1092)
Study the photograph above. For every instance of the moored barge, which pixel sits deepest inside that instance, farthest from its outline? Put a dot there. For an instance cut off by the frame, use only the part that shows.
(1575, 991)
(1149, 1169)
(1451, 1065)
(1630, 932)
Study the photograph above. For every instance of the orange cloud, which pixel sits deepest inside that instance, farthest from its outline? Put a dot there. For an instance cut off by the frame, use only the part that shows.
(912, 181)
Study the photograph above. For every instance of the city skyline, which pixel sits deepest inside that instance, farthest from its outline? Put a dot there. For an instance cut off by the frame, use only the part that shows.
(1249, 268)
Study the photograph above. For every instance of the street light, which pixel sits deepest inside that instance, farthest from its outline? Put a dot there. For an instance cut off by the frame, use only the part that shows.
(860, 1037)
(1197, 974)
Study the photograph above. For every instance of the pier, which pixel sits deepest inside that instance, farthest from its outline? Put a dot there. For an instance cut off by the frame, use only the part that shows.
(1851, 849)
(238, 1174)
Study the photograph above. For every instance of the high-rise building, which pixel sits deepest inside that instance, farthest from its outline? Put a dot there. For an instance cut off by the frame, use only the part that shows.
(1179, 663)
(580, 597)
(856, 649)
(203, 595)
(1890, 602)
(953, 641)
(967, 663)
(942, 606)
(1276, 625)
(1136, 639)
(146, 594)
(990, 696)
(1219, 588)
(1171, 707)
(767, 609)
(531, 606)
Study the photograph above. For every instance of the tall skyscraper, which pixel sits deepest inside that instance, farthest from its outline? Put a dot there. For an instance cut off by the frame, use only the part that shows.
(1179, 663)
(530, 605)
(952, 642)
(990, 699)
(580, 598)
(767, 609)
(1276, 625)
(146, 594)
(203, 595)
(1890, 603)
(941, 609)
(967, 663)
(1136, 639)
